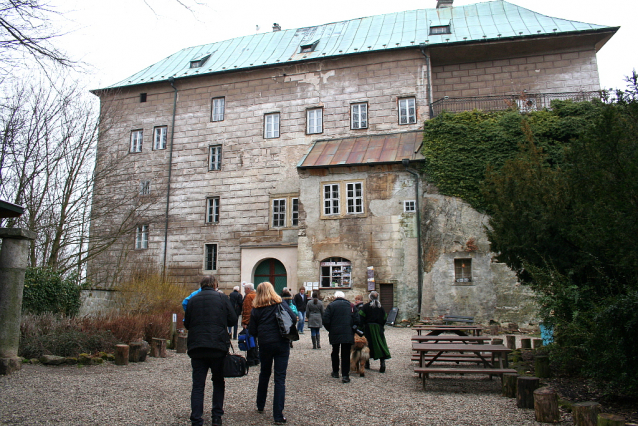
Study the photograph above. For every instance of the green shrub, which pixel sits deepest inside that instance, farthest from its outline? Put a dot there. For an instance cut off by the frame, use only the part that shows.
(47, 290)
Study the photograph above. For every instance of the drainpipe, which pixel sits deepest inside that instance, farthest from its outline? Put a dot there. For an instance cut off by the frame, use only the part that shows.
(170, 169)
(428, 64)
(406, 164)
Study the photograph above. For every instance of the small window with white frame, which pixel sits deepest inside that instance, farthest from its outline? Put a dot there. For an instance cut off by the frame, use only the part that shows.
(409, 206)
(160, 135)
(407, 111)
(279, 213)
(314, 121)
(284, 211)
(210, 257)
(145, 187)
(463, 270)
(218, 109)
(214, 157)
(141, 237)
(440, 29)
(271, 125)
(354, 197)
(359, 116)
(212, 210)
(136, 140)
(336, 272)
(331, 199)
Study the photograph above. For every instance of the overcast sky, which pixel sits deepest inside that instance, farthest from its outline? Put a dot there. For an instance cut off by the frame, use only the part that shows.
(117, 38)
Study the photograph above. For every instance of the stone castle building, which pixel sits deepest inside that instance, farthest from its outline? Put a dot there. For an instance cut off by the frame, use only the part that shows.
(293, 156)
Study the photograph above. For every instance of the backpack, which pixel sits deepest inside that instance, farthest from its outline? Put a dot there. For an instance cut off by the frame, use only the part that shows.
(287, 326)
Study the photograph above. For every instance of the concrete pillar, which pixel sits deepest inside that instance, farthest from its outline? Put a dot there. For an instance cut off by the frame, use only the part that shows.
(13, 264)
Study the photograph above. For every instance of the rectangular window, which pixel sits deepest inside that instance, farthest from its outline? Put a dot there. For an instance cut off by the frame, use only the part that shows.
(159, 137)
(331, 199)
(212, 210)
(409, 206)
(354, 197)
(141, 237)
(218, 109)
(407, 111)
(314, 121)
(359, 116)
(295, 212)
(145, 187)
(210, 257)
(142, 97)
(440, 29)
(271, 125)
(279, 213)
(463, 270)
(336, 272)
(136, 141)
(214, 157)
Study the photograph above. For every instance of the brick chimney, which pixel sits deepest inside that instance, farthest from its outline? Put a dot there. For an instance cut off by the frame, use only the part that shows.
(444, 3)
(276, 27)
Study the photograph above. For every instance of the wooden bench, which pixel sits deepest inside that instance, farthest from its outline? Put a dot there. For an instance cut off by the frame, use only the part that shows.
(448, 319)
(425, 371)
(450, 338)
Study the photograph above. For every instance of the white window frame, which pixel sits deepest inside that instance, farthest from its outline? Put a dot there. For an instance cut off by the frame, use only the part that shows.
(211, 252)
(335, 271)
(354, 197)
(278, 213)
(314, 121)
(145, 187)
(409, 206)
(407, 111)
(160, 136)
(294, 209)
(463, 271)
(214, 158)
(284, 211)
(212, 210)
(271, 125)
(359, 116)
(141, 237)
(218, 109)
(137, 136)
(331, 199)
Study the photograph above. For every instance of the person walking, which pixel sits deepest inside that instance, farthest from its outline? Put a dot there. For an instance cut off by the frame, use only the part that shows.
(358, 302)
(373, 317)
(237, 300)
(252, 355)
(339, 319)
(301, 300)
(208, 314)
(274, 349)
(314, 312)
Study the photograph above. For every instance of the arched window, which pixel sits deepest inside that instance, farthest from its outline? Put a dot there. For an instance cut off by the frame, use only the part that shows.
(336, 272)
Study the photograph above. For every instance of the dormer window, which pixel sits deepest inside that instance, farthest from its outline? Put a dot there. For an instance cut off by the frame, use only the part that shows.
(308, 47)
(199, 62)
(440, 29)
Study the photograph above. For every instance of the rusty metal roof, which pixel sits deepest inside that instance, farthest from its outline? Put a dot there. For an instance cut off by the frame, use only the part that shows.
(368, 149)
(480, 22)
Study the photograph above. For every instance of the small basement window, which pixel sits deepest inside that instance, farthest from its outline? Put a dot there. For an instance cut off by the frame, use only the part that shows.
(440, 29)
(199, 62)
(142, 97)
(463, 270)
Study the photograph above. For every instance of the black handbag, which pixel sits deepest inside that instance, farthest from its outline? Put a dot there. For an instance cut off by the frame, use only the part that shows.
(287, 326)
(235, 365)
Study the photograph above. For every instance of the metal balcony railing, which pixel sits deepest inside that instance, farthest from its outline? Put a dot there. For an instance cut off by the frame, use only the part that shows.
(525, 102)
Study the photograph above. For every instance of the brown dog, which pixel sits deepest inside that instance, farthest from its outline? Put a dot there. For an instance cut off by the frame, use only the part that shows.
(359, 355)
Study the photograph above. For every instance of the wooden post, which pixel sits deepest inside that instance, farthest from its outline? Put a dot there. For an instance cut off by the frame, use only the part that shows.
(605, 419)
(511, 342)
(526, 343)
(158, 347)
(121, 354)
(546, 405)
(541, 366)
(537, 343)
(134, 351)
(181, 344)
(509, 384)
(497, 341)
(586, 413)
(173, 333)
(525, 387)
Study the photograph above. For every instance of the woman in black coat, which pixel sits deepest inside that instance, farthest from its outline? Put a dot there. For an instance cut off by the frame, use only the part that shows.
(339, 318)
(373, 317)
(273, 348)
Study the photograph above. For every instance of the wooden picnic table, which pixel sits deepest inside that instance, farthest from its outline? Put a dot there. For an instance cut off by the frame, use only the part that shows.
(461, 330)
(449, 338)
(489, 359)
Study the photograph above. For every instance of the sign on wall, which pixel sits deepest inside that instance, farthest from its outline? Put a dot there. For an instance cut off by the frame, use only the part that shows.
(371, 283)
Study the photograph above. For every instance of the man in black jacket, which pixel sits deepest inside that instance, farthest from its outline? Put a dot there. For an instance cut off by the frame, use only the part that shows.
(237, 300)
(338, 319)
(208, 316)
(301, 301)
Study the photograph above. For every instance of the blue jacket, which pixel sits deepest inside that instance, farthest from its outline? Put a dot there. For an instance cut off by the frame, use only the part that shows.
(185, 301)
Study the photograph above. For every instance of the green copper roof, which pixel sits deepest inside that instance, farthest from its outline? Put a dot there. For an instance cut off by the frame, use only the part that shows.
(477, 22)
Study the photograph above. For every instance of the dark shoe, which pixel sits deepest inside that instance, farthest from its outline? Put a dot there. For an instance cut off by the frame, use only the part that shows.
(345, 379)
(314, 342)
(335, 375)
(367, 365)
(217, 421)
(318, 342)
(280, 421)
(382, 368)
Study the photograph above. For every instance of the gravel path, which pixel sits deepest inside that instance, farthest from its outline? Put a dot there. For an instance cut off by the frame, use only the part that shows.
(157, 392)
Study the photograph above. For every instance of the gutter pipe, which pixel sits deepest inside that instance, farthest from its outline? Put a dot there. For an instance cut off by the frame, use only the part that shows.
(171, 80)
(406, 164)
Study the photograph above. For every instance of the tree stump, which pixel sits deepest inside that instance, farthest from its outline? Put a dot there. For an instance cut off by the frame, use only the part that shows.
(497, 341)
(541, 366)
(586, 413)
(526, 343)
(511, 342)
(509, 385)
(494, 329)
(181, 344)
(121, 354)
(158, 347)
(134, 351)
(546, 405)
(525, 387)
(606, 419)
(537, 343)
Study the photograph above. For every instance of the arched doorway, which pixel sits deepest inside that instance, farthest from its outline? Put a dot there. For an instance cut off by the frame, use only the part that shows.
(273, 271)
